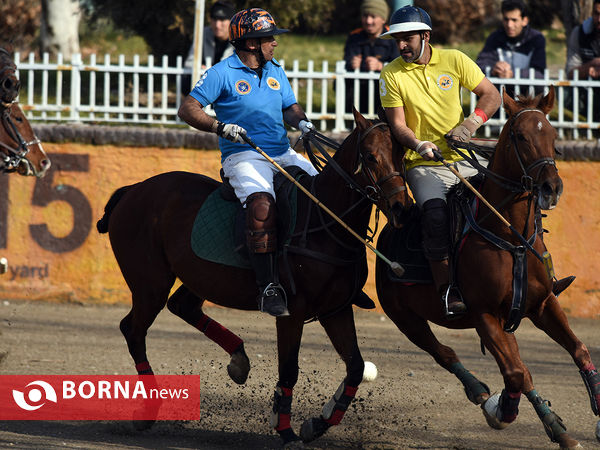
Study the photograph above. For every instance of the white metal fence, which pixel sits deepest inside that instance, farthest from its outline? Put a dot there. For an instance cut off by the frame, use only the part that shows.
(151, 93)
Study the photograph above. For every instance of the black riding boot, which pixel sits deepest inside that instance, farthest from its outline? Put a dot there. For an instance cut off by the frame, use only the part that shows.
(436, 241)
(271, 298)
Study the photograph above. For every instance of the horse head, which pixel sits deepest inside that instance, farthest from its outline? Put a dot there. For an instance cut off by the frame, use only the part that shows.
(9, 83)
(380, 168)
(526, 147)
(20, 149)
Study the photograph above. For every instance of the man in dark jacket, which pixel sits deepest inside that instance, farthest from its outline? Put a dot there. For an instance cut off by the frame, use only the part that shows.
(364, 51)
(583, 55)
(515, 47)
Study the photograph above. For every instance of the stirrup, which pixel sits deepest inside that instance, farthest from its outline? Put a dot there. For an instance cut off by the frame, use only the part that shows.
(273, 300)
(452, 291)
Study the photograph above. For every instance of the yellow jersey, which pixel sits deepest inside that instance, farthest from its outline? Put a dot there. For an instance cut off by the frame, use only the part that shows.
(430, 95)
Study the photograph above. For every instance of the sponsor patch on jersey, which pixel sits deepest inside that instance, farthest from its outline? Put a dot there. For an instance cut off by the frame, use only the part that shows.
(445, 82)
(242, 87)
(273, 83)
(201, 80)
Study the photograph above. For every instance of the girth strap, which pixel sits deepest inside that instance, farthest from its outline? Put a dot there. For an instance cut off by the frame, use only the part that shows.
(519, 254)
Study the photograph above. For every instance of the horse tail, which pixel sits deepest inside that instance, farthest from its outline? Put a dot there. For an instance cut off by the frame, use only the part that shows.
(102, 224)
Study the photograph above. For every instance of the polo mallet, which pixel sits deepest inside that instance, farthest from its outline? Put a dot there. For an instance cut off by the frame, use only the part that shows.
(546, 259)
(396, 268)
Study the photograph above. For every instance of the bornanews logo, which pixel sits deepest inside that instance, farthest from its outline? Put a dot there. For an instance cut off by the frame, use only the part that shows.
(99, 397)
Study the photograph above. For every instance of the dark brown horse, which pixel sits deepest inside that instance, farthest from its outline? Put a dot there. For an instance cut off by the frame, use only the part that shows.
(20, 149)
(150, 224)
(523, 174)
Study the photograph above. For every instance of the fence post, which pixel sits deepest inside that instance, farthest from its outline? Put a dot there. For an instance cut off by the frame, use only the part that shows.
(75, 86)
(340, 95)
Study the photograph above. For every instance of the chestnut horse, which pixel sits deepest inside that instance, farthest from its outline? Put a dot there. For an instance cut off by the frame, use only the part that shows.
(150, 226)
(20, 149)
(523, 174)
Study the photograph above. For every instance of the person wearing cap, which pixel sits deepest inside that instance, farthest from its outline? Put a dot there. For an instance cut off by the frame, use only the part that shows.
(215, 39)
(252, 96)
(420, 91)
(365, 52)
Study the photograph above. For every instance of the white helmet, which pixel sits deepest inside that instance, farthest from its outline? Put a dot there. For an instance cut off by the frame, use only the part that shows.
(409, 18)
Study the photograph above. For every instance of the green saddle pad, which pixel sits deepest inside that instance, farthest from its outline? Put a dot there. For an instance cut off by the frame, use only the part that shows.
(213, 233)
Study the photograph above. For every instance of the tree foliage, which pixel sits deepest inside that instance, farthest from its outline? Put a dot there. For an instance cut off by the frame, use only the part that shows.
(19, 22)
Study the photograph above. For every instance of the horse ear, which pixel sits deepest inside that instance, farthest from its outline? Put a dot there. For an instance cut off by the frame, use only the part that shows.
(547, 103)
(510, 106)
(361, 122)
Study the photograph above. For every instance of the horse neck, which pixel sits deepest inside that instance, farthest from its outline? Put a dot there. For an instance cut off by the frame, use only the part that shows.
(514, 207)
(334, 192)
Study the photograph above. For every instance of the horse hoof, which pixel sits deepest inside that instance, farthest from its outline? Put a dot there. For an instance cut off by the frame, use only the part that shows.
(239, 366)
(490, 410)
(313, 428)
(567, 443)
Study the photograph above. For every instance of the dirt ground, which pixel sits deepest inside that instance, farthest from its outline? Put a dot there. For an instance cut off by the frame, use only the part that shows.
(412, 404)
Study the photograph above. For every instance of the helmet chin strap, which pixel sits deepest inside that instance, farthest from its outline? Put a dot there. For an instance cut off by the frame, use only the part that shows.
(422, 49)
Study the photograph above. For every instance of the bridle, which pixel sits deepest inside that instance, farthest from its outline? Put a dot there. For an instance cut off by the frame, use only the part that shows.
(15, 156)
(373, 191)
(376, 185)
(527, 181)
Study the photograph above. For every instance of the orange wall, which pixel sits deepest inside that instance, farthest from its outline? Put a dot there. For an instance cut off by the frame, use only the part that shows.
(54, 251)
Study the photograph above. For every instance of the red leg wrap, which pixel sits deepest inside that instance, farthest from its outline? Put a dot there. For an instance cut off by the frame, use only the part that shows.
(343, 403)
(219, 334)
(591, 379)
(282, 408)
(144, 368)
(509, 406)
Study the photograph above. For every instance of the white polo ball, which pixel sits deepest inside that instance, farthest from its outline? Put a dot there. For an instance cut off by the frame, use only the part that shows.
(370, 372)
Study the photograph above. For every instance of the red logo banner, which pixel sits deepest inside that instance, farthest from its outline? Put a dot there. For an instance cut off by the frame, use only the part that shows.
(99, 397)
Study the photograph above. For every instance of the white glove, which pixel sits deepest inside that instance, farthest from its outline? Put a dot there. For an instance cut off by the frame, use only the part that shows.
(231, 132)
(425, 149)
(305, 126)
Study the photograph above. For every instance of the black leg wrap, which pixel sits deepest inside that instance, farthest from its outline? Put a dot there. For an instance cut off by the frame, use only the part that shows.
(553, 424)
(591, 379)
(509, 406)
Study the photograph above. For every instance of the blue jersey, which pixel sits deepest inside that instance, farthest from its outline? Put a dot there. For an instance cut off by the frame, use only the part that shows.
(239, 96)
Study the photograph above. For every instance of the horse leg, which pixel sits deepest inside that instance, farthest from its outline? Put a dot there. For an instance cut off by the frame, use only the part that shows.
(553, 321)
(342, 334)
(146, 304)
(501, 410)
(188, 306)
(289, 335)
(418, 331)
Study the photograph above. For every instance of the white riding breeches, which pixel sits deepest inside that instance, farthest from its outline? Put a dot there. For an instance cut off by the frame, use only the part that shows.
(427, 182)
(250, 172)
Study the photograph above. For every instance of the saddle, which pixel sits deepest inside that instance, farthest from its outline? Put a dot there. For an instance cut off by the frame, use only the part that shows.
(219, 227)
(407, 245)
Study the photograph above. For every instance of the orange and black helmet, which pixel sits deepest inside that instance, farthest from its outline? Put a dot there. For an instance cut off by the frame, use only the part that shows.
(252, 23)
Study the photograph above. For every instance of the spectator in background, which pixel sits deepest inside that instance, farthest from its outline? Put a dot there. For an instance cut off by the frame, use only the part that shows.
(583, 55)
(514, 47)
(215, 39)
(364, 51)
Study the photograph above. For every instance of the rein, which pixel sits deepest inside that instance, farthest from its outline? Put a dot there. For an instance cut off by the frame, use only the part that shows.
(15, 155)
(519, 252)
(373, 192)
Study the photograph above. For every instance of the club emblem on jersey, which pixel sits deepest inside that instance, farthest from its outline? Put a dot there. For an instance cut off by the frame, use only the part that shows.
(445, 82)
(273, 83)
(242, 87)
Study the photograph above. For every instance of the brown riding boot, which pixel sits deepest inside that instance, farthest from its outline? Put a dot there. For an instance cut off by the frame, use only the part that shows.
(453, 305)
